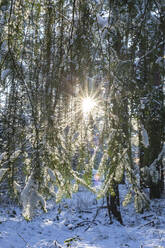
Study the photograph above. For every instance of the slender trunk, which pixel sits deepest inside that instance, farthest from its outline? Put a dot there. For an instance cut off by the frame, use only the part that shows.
(113, 205)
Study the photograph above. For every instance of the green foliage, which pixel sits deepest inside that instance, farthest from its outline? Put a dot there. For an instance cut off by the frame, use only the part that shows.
(69, 241)
(52, 55)
(127, 199)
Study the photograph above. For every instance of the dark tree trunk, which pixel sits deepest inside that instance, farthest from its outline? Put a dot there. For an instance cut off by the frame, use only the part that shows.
(113, 205)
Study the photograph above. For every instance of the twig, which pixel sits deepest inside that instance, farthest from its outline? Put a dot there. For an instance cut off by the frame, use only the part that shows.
(62, 15)
(149, 223)
(82, 223)
(27, 244)
(85, 211)
(101, 207)
(145, 217)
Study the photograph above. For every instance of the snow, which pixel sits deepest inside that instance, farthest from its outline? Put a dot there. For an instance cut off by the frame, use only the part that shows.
(74, 218)
(4, 74)
(102, 21)
(145, 138)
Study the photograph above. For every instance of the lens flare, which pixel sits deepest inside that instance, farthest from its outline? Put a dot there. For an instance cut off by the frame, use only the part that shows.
(97, 177)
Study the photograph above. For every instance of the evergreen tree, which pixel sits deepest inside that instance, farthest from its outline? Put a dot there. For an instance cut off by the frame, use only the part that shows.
(54, 54)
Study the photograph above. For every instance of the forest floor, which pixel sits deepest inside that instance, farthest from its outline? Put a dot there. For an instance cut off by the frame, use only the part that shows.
(79, 220)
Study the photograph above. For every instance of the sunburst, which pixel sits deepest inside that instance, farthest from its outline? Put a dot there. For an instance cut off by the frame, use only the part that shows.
(88, 104)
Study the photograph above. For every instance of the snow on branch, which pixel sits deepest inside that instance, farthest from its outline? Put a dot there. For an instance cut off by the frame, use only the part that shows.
(143, 56)
(17, 187)
(2, 173)
(3, 156)
(81, 181)
(30, 198)
(145, 139)
(51, 174)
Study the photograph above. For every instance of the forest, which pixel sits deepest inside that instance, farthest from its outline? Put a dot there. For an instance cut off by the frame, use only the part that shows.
(82, 97)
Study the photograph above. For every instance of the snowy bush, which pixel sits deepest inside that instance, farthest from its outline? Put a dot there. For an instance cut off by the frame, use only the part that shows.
(83, 200)
(30, 198)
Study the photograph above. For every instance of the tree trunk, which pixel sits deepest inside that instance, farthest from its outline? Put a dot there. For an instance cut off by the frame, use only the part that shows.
(113, 205)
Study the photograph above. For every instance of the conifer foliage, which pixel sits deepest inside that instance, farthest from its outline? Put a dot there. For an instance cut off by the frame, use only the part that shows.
(55, 54)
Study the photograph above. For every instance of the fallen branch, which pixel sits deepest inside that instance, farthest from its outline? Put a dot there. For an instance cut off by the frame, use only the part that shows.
(148, 216)
(149, 223)
(27, 244)
(83, 223)
(85, 211)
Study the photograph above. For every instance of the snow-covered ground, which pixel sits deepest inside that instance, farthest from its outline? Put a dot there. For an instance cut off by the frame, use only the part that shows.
(79, 219)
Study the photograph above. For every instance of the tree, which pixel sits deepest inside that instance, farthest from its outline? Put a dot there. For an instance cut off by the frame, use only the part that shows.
(60, 53)
(149, 72)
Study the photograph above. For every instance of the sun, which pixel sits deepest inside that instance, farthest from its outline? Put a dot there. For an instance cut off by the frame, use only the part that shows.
(88, 105)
